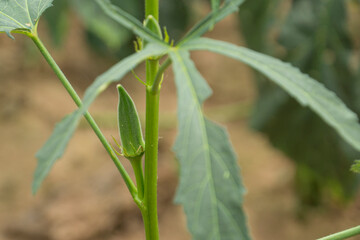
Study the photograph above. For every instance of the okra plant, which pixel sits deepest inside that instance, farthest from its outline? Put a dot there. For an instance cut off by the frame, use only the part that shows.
(210, 189)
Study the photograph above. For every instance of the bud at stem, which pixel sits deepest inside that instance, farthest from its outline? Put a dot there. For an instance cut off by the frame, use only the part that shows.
(133, 145)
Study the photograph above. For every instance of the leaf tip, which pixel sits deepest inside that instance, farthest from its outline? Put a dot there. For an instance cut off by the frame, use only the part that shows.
(35, 186)
(8, 33)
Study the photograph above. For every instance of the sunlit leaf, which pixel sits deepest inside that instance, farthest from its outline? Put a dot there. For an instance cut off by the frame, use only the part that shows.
(56, 145)
(303, 88)
(21, 14)
(210, 186)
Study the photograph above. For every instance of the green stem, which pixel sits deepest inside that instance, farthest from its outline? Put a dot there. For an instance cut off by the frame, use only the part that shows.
(344, 234)
(151, 138)
(151, 152)
(152, 8)
(88, 117)
(139, 176)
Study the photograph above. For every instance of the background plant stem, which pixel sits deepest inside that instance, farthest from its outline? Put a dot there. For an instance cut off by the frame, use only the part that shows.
(88, 117)
(344, 234)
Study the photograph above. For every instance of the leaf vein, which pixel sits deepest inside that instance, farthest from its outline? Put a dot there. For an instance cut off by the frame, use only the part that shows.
(204, 139)
(14, 20)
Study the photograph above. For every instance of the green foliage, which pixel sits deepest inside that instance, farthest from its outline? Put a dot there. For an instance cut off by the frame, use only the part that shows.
(128, 21)
(305, 90)
(118, 71)
(210, 187)
(21, 14)
(60, 138)
(101, 28)
(54, 148)
(356, 166)
(318, 43)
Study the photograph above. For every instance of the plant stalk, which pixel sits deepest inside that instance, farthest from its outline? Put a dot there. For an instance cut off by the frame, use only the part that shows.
(88, 117)
(151, 152)
(152, 8)
(343, 234)
(138, 171)
(151, 138)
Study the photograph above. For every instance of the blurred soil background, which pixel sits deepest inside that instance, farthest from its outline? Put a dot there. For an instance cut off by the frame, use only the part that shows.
(84, 197)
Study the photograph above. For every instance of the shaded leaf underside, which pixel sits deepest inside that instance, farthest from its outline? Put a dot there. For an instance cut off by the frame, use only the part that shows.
(210, 186)
(21, 14)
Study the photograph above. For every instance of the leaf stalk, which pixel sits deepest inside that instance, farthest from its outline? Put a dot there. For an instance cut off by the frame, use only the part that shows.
(129, 183)
(156, 86)
(343, 234)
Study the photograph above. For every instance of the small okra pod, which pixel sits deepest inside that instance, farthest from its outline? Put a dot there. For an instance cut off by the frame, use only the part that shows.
(153, 25)
(133, 145)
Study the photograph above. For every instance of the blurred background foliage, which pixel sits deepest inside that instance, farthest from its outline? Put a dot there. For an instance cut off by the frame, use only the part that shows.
(106, 36)
(314, 36)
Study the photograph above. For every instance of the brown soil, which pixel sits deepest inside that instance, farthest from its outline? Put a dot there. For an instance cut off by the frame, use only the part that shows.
(84, 197)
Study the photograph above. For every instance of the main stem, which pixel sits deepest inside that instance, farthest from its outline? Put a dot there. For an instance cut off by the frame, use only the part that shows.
(151, 139)
(151, 153)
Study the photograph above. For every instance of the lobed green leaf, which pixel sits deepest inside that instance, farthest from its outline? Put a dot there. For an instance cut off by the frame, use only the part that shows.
(54, 148)
(210, 186)
(21, 14)
(304, 89)
(56, 145)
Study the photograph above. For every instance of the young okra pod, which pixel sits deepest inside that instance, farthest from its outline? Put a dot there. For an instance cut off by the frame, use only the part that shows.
(133, 145)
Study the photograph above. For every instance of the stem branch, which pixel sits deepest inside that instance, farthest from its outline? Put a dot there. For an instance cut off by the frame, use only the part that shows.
(88, 117)
(344, 234)
(138, 171)
(159, 76)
